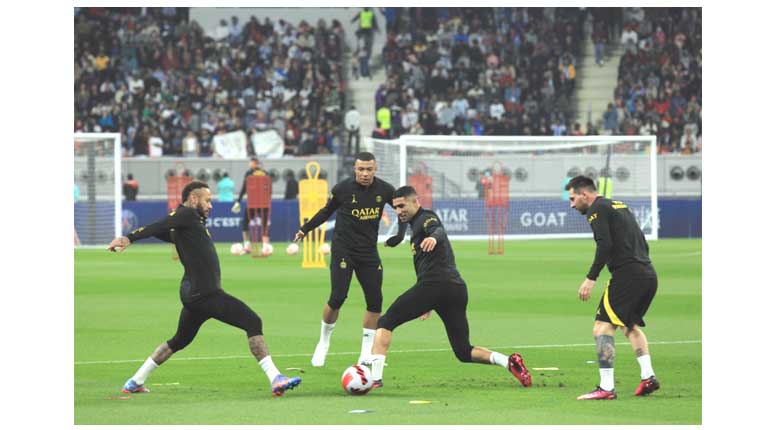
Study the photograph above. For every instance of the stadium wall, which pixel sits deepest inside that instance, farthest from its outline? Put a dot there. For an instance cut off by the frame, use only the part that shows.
(677, 175)
(680, 218)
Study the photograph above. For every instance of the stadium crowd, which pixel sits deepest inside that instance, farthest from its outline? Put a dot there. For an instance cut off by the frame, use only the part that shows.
(659, 89)
(512, 71)
(479, 71)
(168, 86)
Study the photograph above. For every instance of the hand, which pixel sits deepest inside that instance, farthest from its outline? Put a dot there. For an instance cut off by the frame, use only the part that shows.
(428, 244)
(425, 316)
(394, 241)
(299, 236)
(119, 244)
(586, 289)
(236, 208)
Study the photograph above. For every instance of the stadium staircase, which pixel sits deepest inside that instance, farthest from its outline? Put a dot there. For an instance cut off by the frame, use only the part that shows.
(596, 84)
(362, 96)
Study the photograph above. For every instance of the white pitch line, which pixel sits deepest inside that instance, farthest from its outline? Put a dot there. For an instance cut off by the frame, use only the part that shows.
(231, 357)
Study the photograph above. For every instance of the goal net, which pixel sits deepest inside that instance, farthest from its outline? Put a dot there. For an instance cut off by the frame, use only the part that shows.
(457, 170)
(97, 158)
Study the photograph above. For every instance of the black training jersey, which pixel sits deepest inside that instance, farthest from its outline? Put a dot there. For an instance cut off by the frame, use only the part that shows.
(620, 241)
(249, 172)
(358, 213)
(439, 264)
(185, 227)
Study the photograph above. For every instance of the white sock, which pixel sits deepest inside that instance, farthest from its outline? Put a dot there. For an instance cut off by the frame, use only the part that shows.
(377, 364)
(607, 379)
(368, 342)
(499, 359)
(325, 332)
(246, 244)
(269, 368)
(645, 366)
(144, 371)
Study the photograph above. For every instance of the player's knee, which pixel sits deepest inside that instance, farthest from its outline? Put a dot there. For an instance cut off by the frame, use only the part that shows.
(603, 328)
(179, 342)
(336, 300)
(630, 331)
(254, 326)
(463, 352)
(374, 304)
(386, 321)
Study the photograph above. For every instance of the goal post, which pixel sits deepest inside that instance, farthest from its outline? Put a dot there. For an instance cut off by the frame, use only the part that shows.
(536, 167)
(97, 207)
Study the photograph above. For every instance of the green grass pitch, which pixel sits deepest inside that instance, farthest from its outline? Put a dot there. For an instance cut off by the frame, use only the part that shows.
(526, 301)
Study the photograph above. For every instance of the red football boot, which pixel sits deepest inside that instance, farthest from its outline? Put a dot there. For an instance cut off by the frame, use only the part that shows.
(598, 394)
(647, 386)
(518, 369)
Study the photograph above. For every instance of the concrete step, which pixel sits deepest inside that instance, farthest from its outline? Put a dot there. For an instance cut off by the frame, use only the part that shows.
(595, 84)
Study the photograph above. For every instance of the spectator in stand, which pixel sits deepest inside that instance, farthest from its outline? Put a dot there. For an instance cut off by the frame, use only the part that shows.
(558, 128)
(130, 188)
(599, 36)
(577, 130)
(659, 82)
(141, 69)
(485, 61)
(352, 123)
(629, 39)
(611, 120)
(688, 143)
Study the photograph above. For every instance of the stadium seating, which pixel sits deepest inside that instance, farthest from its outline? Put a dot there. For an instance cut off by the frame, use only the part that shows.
(482, 71)
(155, 76)
(660, 80)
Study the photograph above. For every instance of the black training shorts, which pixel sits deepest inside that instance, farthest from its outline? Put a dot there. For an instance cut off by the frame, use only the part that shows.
(220, 306)
(368, 270)
(626, 301)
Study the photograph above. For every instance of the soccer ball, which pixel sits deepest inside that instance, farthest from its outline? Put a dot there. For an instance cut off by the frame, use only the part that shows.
(267, 249)
(325, 248)
(236, 248)
(292, 249)
(356, 380)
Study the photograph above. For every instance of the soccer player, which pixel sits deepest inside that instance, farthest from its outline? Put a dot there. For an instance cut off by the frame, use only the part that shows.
(622, 246)
(200, 289)
(439, 287)
(358, 203)
(254, 169)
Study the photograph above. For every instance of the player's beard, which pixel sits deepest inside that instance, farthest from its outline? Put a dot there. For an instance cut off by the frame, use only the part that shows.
(202, 211)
